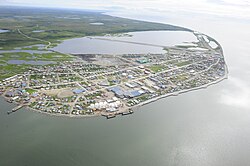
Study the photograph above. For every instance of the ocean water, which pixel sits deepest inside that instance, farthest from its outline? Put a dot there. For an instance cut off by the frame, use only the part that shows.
(205, 127)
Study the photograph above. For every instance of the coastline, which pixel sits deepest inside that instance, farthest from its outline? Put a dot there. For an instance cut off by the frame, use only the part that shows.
(182, 91)
(136, 107)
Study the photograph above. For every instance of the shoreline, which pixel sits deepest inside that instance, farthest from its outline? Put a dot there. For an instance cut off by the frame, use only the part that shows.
(133, 108)
(182, 91)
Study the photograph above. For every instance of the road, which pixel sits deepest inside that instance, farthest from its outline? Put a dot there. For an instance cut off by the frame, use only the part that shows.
(46, 47)
(130, 42)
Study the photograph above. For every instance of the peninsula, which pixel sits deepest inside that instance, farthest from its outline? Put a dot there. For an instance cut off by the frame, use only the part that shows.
(82, 84)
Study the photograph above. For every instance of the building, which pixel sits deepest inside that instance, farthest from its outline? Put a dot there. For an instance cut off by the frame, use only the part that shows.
(142, 60)
(134, 93)
(78, 91)
(118, 91)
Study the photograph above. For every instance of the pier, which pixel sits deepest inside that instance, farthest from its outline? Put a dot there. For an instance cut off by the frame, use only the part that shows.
(128, 112)
(15, 109)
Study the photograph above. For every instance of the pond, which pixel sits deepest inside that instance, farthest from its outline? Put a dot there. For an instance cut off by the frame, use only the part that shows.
(3, 30)
(96, 23)
(26, 51)
(38, 31)
(18, 62)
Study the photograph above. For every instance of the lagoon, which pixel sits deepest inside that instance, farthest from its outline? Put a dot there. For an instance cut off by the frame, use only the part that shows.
(94, 45)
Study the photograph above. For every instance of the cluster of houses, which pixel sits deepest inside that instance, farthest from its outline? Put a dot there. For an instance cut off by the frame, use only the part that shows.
(110, 89)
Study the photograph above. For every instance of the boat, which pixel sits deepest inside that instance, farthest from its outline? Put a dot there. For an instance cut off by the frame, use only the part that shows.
(110, 116)
(9, 112)
(9, 100)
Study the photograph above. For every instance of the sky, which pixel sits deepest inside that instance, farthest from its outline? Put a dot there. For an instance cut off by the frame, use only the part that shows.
(228, 8)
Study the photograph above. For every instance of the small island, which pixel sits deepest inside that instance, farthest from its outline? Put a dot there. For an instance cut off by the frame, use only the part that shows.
(83, 85)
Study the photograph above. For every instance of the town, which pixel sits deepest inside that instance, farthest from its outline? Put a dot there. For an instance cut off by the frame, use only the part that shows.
(109, 85)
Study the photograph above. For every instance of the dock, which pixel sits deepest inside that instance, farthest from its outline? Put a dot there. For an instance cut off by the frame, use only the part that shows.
(109, 116)
(15, 109)
(128, 112)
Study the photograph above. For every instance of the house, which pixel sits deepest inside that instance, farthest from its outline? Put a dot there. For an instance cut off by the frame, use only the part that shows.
(78, 91)
(134, 93)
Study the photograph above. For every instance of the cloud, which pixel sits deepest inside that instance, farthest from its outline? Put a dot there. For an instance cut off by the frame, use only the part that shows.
(238, 95)
(224, 8)
(240, 3)
(229, 8)
(3, 1)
